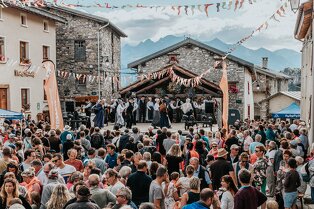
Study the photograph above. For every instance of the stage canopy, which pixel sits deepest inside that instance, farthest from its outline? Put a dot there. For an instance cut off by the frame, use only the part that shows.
(292, 111)
(10, 115)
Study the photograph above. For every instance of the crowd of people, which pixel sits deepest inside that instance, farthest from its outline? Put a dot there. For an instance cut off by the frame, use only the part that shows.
(253, 164)
(161, 112)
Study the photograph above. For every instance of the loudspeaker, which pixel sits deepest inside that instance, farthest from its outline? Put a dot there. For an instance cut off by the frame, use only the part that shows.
(69, 106)
(209, 107)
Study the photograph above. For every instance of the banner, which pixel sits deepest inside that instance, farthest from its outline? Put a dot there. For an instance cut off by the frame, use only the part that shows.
(225, 91)
(51, 89)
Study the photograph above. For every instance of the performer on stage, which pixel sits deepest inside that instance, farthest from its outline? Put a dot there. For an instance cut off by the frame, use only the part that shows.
(142, 110)
(135, 105)
(156, 119)
(164, 121)
(119, 113)
(150, 108)
(171, 109)
(100, 114)
(88, 111)
(129, 113)
(187, 107)
(178, 104)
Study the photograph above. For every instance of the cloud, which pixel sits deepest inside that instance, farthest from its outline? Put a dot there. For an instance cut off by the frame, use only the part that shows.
(227, 25)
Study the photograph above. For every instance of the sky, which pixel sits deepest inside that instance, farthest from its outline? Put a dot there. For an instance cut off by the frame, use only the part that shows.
(227, 25)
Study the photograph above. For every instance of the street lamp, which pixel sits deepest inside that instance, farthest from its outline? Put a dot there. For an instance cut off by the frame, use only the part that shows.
(257, 87)
(295, 5)
(98, 55)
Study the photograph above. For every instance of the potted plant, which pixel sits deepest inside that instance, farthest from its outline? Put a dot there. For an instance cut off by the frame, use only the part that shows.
(25, 61)
(233, 90)
(2, 58)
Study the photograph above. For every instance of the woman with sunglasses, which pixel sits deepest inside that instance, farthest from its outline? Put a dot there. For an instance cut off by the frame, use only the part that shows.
(214, 149)
(228, 190)
(259, 169)
(10, 191)
(243, 163)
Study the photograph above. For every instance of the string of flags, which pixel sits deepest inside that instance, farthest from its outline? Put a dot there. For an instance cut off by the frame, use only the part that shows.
(178, 9)
(192, 82)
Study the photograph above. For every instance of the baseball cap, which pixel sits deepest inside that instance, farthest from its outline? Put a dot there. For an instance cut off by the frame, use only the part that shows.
(234, 146)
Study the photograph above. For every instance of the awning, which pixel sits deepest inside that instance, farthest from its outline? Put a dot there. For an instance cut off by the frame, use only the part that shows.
(292, 111)
(10, 115)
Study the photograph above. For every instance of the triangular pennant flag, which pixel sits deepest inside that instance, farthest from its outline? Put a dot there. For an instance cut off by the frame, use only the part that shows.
(217, 6)
(274, 17)
(186, 9)
(192, 9)
(279, 13)
(241, 4)
(199, 7)
(206, 8)
(230, 4)
(224, 5)
(236, 5)
(179, 10)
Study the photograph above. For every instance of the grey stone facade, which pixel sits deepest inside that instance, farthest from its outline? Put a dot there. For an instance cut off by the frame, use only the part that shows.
(270, 83)
(197, 59)
(84, 27)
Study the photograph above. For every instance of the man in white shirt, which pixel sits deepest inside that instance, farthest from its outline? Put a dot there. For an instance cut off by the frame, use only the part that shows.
(64, 170)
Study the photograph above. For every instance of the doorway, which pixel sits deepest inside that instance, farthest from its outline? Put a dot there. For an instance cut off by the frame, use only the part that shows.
(4, 98)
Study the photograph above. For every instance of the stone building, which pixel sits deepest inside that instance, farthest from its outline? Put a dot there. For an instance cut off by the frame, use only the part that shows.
(304, 32)
(268, 83)
(280, 100)
(196, 57)
(77, 52)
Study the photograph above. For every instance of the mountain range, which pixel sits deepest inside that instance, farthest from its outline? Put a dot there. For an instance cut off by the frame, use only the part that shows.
(277, 60)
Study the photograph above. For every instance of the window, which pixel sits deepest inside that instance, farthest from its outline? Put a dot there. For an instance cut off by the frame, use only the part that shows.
(25, 99)
(23, 20)
(46, 52)
(45, 95)
(82, 80)
(46, 25)
(79, 50)
(2, 49)
(24, 56)
(248, 88)
(249, 111)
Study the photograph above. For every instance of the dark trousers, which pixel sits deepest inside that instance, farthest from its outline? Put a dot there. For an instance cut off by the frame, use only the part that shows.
(178, 115)
(170, 115)
(129, 120)
(134, 118)
(142, 115)
(150, 114)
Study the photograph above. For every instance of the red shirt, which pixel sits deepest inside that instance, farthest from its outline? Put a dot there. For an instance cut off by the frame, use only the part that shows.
(78, 165)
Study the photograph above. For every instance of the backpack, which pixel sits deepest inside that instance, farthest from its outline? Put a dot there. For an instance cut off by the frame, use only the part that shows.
(305, 173)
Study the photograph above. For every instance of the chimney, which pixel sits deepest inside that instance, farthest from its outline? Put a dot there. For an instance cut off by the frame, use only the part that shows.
(264, 62)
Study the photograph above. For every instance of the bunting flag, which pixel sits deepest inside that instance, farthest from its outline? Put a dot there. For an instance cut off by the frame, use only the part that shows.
(105, 5)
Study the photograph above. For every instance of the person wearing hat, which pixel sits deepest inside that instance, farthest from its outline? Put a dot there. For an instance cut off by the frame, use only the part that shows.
(47, 189)
(233, 156)
(66, 131)
(83, 194)
(221, 167)
(10, 141)
(119, 114)
(30, 181)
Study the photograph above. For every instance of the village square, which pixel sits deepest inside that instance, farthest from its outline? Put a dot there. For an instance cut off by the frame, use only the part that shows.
(156, 104)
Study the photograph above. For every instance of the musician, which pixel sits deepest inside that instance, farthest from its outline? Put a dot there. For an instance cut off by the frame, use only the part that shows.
(150, 108)
(142, 110)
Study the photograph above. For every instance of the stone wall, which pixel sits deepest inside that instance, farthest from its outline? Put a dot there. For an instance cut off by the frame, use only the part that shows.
(80, 28)
(198, 60)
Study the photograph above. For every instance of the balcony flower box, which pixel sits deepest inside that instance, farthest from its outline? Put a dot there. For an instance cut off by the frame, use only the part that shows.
(2, 58)
(26, 62)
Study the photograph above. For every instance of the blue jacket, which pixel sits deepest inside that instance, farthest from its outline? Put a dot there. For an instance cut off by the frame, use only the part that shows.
(196, 205)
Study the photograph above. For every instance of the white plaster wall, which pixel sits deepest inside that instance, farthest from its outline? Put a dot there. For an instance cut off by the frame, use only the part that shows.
(11, 29)
(248, 95)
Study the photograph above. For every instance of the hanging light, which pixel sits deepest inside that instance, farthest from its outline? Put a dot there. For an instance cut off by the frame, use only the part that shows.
(295, 5)
(257, 86)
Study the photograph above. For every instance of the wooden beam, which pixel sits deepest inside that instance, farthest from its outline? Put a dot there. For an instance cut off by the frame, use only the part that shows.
(133, 86)
(208, 91)
(153, 85)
